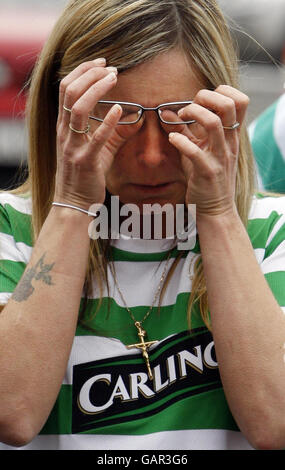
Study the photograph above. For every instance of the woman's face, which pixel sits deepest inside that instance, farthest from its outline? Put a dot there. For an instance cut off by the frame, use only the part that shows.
(147, 169)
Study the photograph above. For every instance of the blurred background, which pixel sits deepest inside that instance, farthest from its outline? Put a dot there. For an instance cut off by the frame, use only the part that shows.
(258, 27)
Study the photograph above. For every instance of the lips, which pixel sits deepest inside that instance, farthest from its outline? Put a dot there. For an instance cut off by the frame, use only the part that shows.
(152, 185)
(152, 188)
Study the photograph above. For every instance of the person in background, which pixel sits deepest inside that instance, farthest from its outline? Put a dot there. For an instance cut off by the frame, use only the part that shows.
(267, 135)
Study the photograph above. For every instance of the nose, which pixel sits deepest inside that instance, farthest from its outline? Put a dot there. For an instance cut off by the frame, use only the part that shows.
(153, 142)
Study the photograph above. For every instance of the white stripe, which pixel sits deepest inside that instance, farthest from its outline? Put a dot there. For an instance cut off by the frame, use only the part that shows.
(142, 246)
(94, 348)
(139, 282)
(9, 250)
(4, 297)
(200, 439)
(19, 203)
(259, 254)
(275, 230)
(279, 125)
(276, 261)
(262, 208)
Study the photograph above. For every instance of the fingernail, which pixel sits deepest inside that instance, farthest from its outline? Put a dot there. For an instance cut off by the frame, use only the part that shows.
(117, 108)
(112, 69)
(111, 77)
(100, 61)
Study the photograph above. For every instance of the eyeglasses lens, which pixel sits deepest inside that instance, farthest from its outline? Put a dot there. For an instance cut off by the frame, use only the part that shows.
(130, 113)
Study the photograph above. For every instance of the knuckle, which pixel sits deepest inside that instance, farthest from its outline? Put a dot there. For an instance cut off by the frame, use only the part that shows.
(67, 151)
(225, 89)
(85, 66)
(195, 154)
(98, 72)
(213, 173)
(77, 111)
(63, 84)
(244, 101)
(98, 136)
(201, 94)
(221, 88)
(96, 139)
(214, 122)
(70, 92)
(60, 135)
(229, 104)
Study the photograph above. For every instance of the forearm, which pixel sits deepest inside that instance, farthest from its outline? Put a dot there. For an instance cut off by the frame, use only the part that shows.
(38, 324)
(242, 306)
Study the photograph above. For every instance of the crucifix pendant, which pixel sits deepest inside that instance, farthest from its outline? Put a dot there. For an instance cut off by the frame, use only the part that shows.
(143, 346)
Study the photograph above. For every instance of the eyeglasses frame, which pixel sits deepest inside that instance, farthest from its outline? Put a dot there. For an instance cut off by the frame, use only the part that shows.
(143, 109)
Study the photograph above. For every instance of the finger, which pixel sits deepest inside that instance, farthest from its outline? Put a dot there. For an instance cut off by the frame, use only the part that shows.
(240, 99)
(79, 86)
(189, 150)
(210, 121)
(171, 116)
(77, 72)
(81, 109)
(222, 105)
(104, 131)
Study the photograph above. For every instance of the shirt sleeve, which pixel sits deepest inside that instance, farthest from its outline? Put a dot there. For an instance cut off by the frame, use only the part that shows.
(13, 256)
(272, 253)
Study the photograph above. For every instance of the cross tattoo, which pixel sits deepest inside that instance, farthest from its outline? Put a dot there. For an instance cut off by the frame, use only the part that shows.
(143, 346)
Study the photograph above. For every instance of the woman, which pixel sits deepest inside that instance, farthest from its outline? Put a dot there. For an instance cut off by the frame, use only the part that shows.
(125, 367)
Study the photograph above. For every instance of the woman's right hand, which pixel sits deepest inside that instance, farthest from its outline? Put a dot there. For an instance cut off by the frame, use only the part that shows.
(84, 159)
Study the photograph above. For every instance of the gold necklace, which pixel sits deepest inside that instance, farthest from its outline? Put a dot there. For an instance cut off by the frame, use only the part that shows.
(142, 345)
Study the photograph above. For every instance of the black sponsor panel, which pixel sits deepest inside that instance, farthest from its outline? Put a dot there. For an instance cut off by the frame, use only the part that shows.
(118, 389)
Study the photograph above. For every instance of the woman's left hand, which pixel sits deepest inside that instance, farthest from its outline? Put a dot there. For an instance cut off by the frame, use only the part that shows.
(209, 150)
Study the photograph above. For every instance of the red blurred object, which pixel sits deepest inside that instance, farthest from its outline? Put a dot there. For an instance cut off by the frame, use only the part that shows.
(19, 64)
(23, 31)
(22, 35)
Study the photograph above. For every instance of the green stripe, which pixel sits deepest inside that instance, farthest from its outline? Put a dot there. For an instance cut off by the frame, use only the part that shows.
(170, 419)
(276, 282)
(10, 274)
(59, 421)
(116, 322)
(278, 238)
(267, 153)
(5, 226)
(20, 225)
(259, 230)
(152, 407)
(134, 360)
(121, 255)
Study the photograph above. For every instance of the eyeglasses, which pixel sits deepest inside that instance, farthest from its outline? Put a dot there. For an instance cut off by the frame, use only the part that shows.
(132, 112)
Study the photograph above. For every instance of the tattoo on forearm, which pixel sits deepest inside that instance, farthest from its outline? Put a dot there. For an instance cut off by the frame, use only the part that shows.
(40, 272)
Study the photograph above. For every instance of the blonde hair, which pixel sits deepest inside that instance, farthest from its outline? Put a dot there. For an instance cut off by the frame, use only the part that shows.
(127, 33)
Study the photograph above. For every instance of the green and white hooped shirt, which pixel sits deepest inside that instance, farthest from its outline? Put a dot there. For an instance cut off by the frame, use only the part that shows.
(106, 400)
(267, 135)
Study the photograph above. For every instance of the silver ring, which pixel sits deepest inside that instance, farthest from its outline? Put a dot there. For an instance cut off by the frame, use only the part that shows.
(79, 131)
(231, 128)
(66, 109)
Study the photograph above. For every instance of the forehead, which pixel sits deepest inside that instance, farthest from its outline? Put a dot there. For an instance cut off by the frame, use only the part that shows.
(167, 77)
